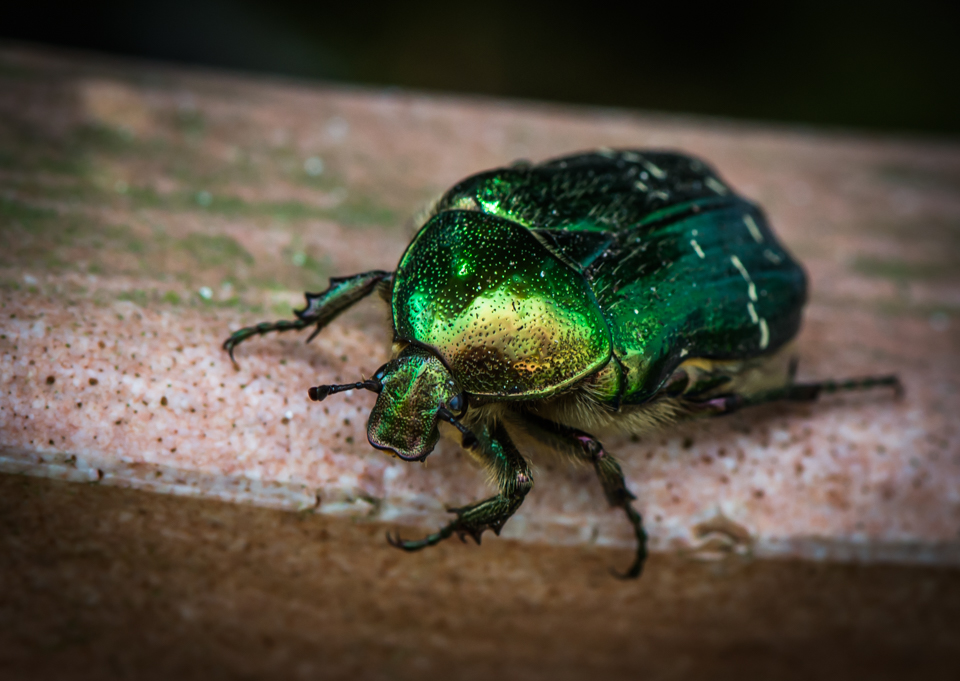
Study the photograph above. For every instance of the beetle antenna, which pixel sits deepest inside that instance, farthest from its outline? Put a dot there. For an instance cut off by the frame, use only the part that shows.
(468, 440)
(318, 393)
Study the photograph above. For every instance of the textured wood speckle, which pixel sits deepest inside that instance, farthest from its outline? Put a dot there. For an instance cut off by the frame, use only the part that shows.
(147, 212)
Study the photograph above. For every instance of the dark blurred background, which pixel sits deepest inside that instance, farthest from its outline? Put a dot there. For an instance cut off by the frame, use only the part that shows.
(883, 67)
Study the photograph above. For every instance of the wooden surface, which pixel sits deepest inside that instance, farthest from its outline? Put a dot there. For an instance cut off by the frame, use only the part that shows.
(146, 212)
(103, 583)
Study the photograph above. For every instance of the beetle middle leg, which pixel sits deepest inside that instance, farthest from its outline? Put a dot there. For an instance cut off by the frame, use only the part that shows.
(512, 472)
(584, 447)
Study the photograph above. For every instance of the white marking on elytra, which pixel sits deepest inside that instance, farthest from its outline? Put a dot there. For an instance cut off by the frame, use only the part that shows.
(752, 294)
(716, 186)
(631, 156)
(684, 352)
(696, 247)
(752, 227)
(739, 265)
(641, 186)
(656, 171)
(772, 257)
(660, 195)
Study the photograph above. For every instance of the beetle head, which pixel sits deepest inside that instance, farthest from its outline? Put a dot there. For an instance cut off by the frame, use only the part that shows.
(416, 392)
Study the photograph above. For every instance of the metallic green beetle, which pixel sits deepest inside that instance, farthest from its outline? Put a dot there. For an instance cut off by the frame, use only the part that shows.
(615, 290)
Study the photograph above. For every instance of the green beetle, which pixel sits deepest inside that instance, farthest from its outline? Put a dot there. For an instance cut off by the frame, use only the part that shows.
(614, 290)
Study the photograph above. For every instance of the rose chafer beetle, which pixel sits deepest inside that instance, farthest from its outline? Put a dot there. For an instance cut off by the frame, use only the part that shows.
(615, 290)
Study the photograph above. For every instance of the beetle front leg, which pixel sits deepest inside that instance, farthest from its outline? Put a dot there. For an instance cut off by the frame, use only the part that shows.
(514, 480)
(321, 308)
(585, 447)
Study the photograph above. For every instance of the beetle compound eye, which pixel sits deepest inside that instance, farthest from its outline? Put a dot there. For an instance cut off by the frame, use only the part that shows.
(456, 403)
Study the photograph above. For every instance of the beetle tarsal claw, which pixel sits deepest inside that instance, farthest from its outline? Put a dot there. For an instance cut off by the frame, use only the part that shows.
(416, 544)
(395, 540)
(632, 573)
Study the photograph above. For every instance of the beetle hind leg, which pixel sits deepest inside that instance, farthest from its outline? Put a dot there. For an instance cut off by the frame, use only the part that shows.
(795, 392)
(811, 391)
(513, 480)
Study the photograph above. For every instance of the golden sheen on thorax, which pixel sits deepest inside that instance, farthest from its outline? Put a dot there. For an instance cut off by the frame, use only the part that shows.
(507, 315)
